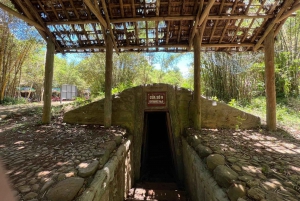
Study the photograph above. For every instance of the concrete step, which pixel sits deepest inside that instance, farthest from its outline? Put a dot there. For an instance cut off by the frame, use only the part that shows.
(156, 192)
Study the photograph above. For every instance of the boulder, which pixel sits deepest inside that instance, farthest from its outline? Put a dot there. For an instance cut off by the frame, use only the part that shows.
(236, 191)
(86, 170)
(256, 193)
(214, 160)
(224, 176)
(65, 190)
(203, 151)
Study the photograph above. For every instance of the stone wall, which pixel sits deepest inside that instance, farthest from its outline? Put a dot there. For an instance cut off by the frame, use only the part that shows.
(199, 182)
(114, 180)
(129, 107)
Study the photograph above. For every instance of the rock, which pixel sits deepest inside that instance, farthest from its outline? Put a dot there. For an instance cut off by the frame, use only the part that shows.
(118, 140)
(236, 191)
(104, 158)
(253, 183)
(245, 178)
(30, 196)
(214, 160)
(232, 159)
(236, 168)
(24, 189)
(89, 170)
(47, 185)
(99, 153)
(65, 190)
(195, 141)
(256, 193)
(203, 151)
(273, 196)
(35, 187)
(61, 177)
(110, 145)
(224, 176)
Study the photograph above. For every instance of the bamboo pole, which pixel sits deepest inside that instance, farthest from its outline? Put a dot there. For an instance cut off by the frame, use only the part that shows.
(197, 81)
(108, 81)
(49, 63)
(270, 81)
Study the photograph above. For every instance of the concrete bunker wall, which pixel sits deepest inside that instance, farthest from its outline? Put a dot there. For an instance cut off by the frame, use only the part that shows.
(199, 182)
(112, 182)
(128, 110)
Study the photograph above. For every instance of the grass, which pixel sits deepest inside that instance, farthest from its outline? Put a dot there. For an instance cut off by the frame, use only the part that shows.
(287, 110)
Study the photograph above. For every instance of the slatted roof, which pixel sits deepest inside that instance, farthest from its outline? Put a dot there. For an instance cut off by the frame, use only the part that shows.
(157, 25)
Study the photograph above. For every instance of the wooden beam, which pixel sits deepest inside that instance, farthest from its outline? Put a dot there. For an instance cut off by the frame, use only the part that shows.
(270, 82)
(289, 13)
(206, 45)
(18, 15)
(171, 18)
(49, 64)
(157, 8)
(108, 81)
(28, 14)
(89, 4)
(39, 19)
(200, 20)
(197, 81)
(109, 25)
(286, 4)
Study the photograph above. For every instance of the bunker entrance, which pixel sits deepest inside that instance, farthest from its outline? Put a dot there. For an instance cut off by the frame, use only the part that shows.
(158, 157)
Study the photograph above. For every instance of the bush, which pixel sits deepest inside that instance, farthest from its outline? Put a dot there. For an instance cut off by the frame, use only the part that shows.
(14, 101)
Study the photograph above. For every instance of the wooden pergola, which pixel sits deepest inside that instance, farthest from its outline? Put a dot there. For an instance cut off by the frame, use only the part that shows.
(87, 26)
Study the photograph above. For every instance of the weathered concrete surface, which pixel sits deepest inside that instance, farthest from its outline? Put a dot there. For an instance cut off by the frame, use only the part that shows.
(113, 181)
(199, 182)
(129, 106)
(130, 101)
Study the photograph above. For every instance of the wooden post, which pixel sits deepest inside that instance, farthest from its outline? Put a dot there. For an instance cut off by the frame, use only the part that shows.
(197, 81)
(108, 81)
(270, 82)
(49, 63)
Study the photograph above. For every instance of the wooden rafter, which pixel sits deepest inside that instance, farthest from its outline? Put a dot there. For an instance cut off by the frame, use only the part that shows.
(289, 13)
(89, 4)
(109, 25)
(65, 18)
(227, 22)
(173, 18)
(215, 24)
(225, 45)
(29, 21)
(286, 4)
(135, 24)
(39, 19)
(199, 20)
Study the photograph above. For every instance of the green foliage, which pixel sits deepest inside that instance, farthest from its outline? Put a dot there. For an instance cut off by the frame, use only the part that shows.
(287, 110)
(232, 103)
(14, 101)
(80, 102)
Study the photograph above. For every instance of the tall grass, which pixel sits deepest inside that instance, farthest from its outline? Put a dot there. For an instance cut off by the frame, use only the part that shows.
(287, 110)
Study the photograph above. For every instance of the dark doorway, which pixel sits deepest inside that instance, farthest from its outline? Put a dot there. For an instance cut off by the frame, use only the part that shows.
(157, 151)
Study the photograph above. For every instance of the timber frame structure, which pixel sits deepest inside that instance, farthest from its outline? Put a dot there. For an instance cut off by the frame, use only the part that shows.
(87, 26)
(156, 25)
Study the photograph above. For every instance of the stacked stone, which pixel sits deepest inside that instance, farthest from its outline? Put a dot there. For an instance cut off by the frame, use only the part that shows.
(241, 175)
